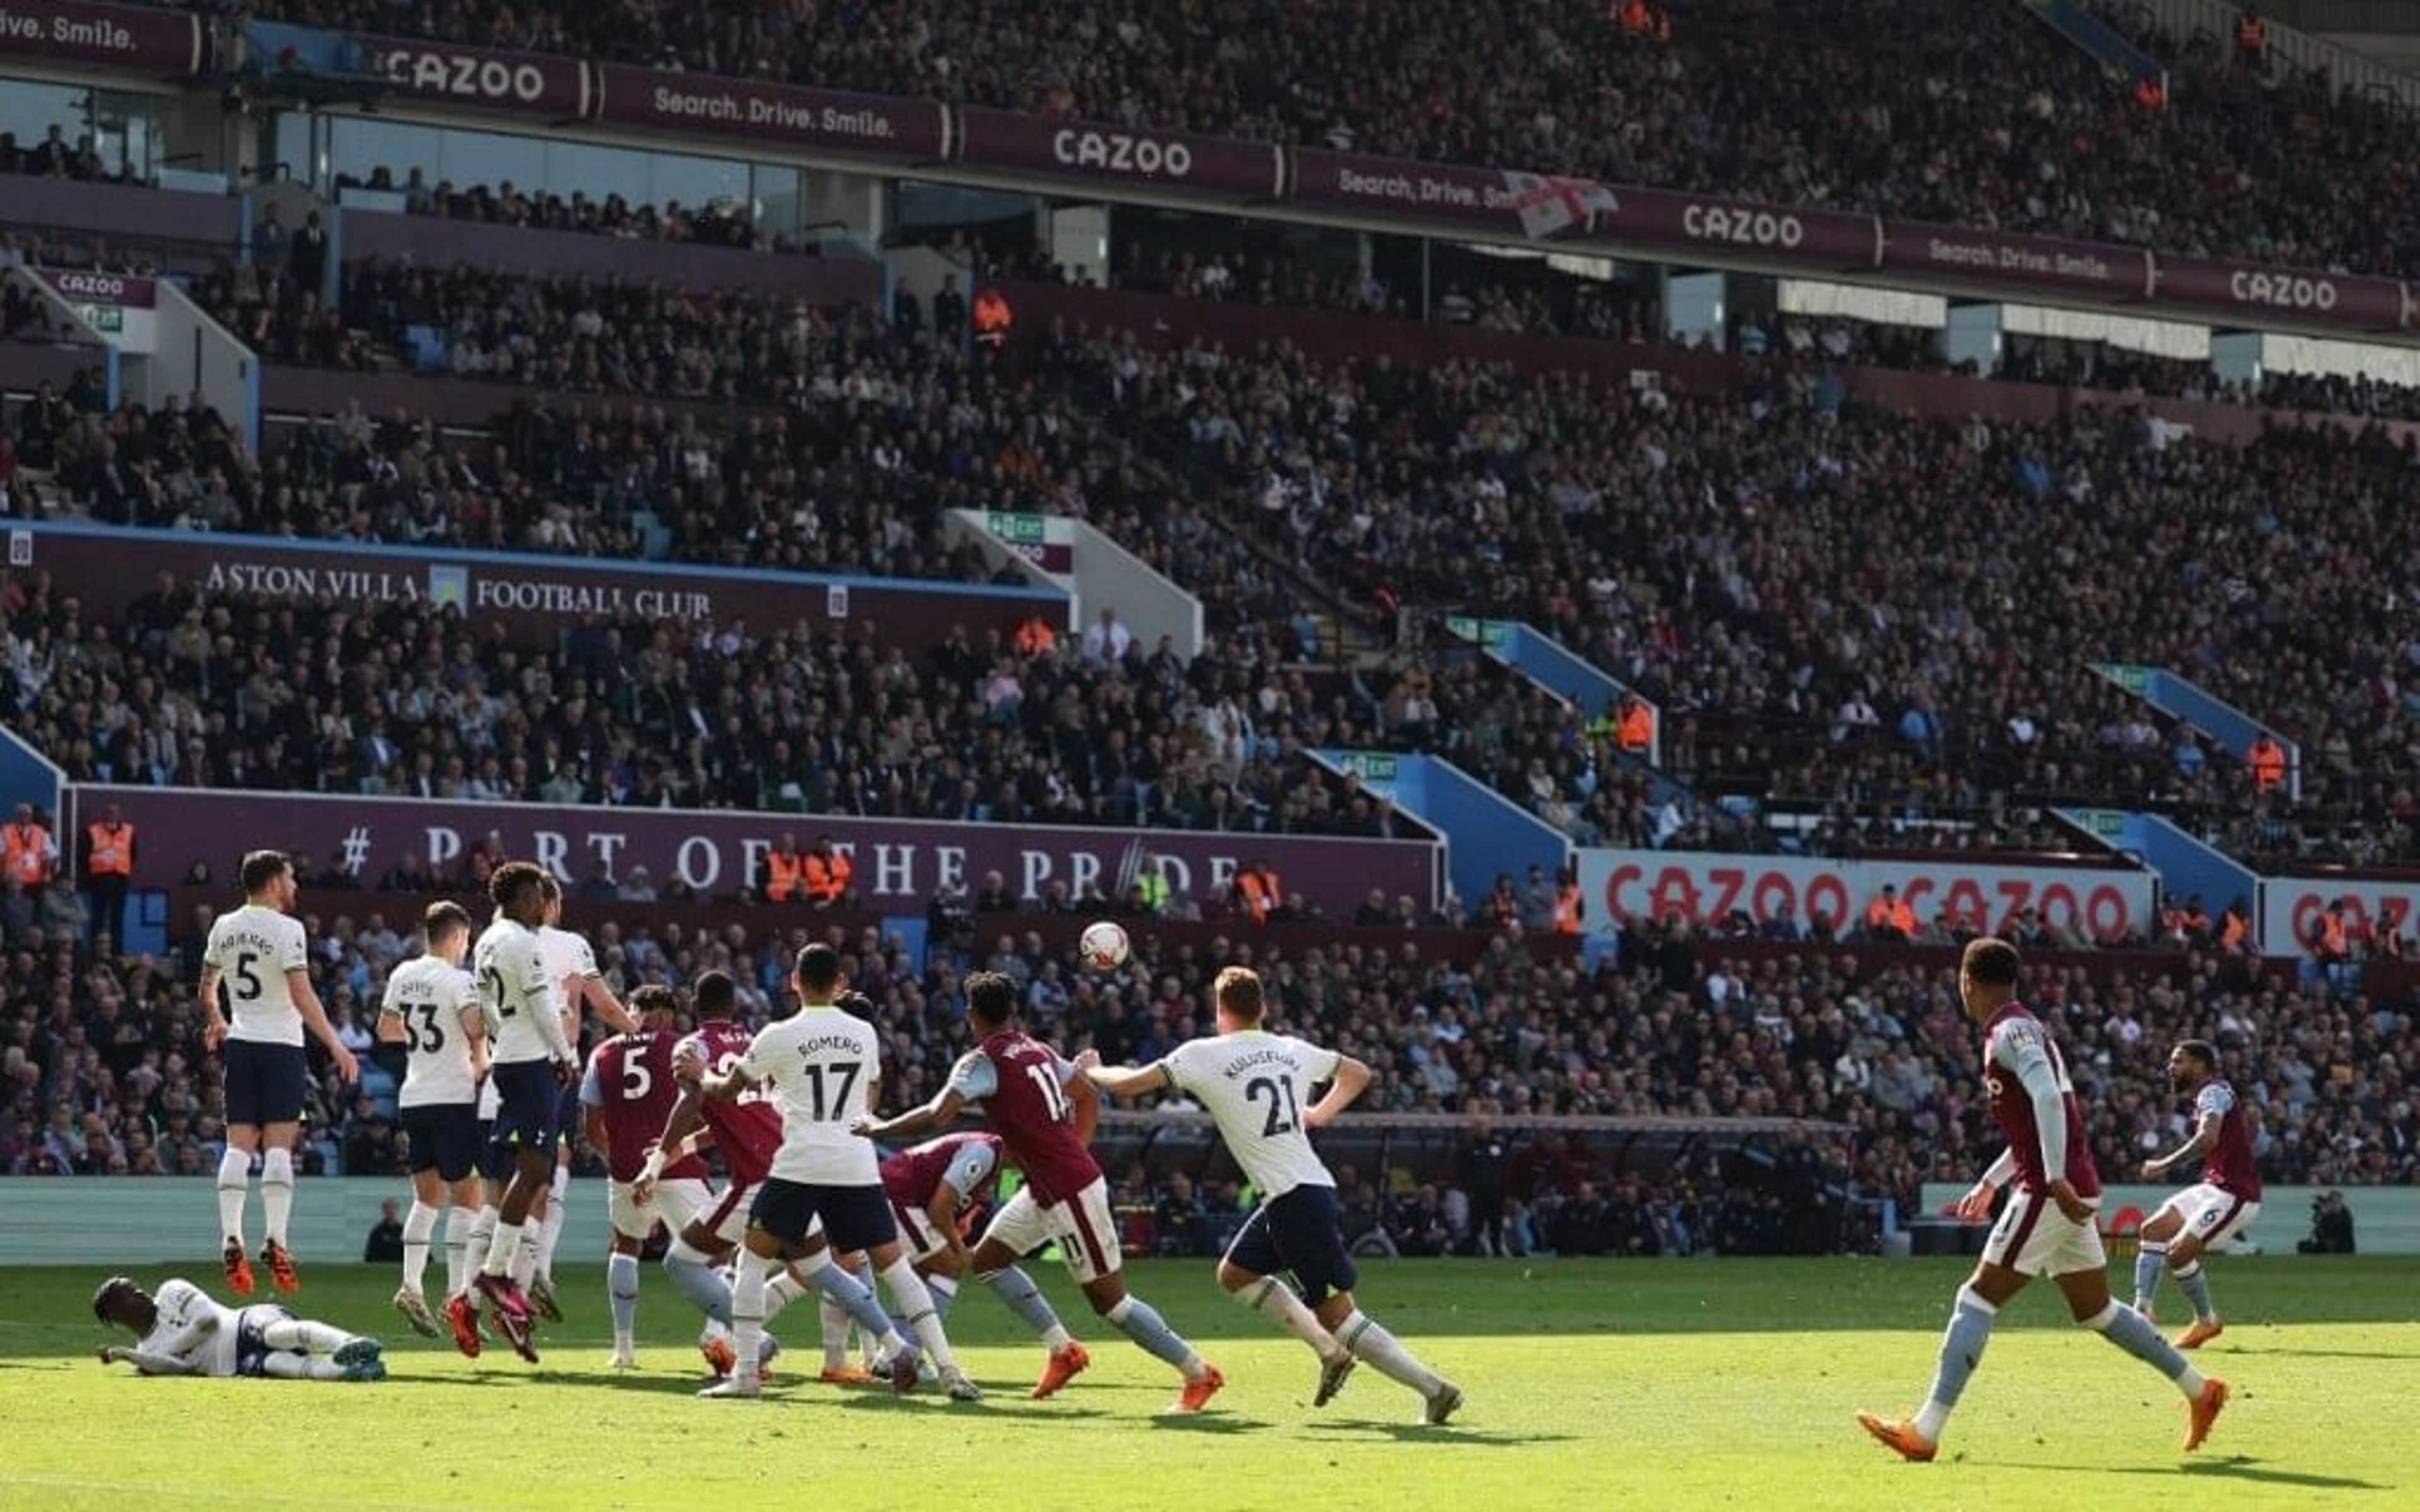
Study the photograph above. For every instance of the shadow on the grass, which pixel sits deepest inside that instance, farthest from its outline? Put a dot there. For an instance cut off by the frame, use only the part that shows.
(2233, 1467)
(991, 1406)
(1206, 1423)
(2323, 1355)
(1348, 1430)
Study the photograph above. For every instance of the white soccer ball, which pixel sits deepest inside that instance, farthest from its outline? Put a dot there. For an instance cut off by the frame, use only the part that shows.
(1104, 946)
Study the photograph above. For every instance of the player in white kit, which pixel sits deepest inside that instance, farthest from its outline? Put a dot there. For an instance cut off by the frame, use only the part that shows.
(1254, 1085)
(182, 1332)
(258, 952)
(571, 965)
(532, 1063)
(432, 1007)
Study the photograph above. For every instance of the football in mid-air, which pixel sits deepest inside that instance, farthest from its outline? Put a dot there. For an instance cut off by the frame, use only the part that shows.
(1104, 946)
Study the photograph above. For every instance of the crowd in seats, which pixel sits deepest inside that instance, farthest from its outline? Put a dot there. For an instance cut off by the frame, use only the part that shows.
(196, 689)
(1463, 486)
(55, 156)
(1994, 121)
(1771, 566)
(718, 223)
(101, 1069)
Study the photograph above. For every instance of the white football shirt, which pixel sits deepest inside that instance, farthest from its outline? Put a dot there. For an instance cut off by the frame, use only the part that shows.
(182, 1305)
(1256, 1086)
(430, 997)
(568, 955)
(820, 1065)
(523, 1010)
(254, 948)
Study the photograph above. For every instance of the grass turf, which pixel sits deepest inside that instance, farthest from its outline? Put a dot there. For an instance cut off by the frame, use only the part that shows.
(1591, 1384)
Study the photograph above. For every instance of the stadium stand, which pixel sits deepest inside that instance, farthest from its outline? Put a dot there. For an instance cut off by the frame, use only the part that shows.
(1870, 104)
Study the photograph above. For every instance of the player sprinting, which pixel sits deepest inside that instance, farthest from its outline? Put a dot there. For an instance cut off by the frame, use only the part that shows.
(933, 1187)
(748, 1130)
(2047, 1227)
(571, 965)
(629, 1094)
(532, 1062)
(1257, 1086)
(432, 1007)
(182, 1332)
(1025, 1088)
(2221, 1205)
(257, 951)
(819, 1065)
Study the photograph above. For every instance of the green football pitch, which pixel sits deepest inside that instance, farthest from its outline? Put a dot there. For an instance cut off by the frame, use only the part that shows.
(1590, 1384)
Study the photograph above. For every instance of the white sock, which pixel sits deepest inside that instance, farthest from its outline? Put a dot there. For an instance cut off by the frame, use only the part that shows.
(747, 1314)
(915, 1303)
(1385, 1352)
(281, 1365)
(235, 1175)
(1931, 1419)
(503, 1245)
(524, 1261)
(303, 1334)
(550, 1231)
(482, 1239)
(417, 1226)
(1274, 1297)
(782, 1289)
(459, 1224)
(277, 1193)
(834, 1320)
(622, 1293)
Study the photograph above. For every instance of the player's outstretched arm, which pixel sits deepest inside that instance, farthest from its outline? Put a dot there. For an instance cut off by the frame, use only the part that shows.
(602, 1003)
(1352, 1079)
(1976, 1205)
(474, 1032)
(314, 1018)
(214, 1024)
(941, 1112)
(687, 1118)
(1124, 1081)
(2205, 1134)
(146, 1363)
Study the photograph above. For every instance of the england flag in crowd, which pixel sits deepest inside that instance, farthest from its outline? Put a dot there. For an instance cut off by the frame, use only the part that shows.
(1549, 205)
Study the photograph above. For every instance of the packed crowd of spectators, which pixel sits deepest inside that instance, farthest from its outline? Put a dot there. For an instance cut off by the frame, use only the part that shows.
(1883, 105)
(101, 1069)
(221, 690)
(720, 223)
(1770, 565)
(1464, 487)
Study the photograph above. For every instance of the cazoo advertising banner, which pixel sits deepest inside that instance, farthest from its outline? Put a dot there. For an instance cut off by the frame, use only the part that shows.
(899, 862)
(1703, 887)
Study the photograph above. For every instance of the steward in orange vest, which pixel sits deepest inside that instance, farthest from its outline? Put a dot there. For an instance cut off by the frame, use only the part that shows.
(993, 317)
(824, 875)
(109, 870)
(2267, 760)
(26, 851)
(1257, 887)
(1569, 908)
(782, 871)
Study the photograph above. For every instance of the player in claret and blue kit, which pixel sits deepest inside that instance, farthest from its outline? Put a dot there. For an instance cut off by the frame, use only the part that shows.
(2047, 1227)
(1025, 1088)
(2214, 1210)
